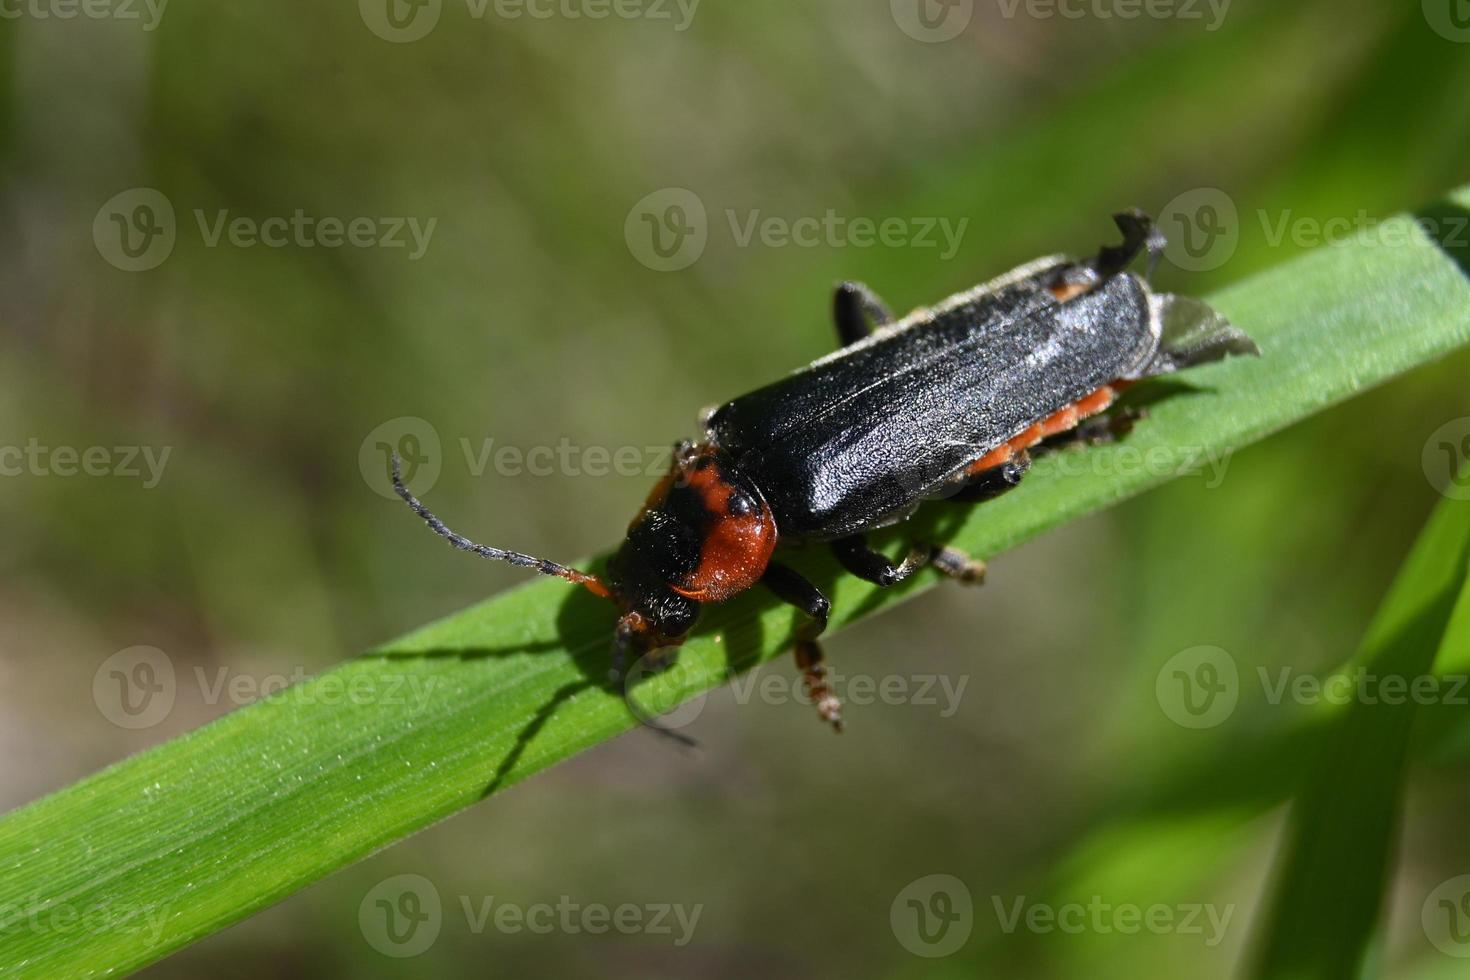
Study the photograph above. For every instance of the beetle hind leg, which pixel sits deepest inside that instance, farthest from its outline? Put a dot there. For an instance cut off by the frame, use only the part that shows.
(854, 555)
(955, 564)
(857, 309)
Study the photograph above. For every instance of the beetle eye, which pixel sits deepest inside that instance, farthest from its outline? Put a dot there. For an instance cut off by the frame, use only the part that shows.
(741, 505)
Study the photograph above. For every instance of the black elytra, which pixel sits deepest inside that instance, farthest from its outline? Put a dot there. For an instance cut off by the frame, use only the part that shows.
(946, 402)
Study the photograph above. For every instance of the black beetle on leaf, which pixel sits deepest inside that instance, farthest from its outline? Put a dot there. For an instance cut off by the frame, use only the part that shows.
(948, 402)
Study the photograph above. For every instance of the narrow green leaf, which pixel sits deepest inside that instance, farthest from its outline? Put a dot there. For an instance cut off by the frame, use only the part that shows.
(1337, 858)
(182, 840)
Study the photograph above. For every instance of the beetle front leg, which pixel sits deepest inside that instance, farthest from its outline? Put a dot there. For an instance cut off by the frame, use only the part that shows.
(789, 586)
(857, 309)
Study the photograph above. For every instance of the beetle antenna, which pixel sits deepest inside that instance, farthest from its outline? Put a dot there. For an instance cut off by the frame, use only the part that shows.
(663, 731)
(592, 583)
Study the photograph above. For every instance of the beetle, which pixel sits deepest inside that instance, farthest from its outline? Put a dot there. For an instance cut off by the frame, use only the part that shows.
(951, 401)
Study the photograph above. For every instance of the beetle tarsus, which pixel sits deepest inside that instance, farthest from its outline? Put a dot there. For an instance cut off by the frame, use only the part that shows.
(955, 564)
(813, 667)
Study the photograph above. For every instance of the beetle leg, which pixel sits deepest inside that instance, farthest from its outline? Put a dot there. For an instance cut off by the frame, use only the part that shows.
(1139, 234)
(857, 309)
(985, 485)
(854, 555)
(991, 483)
(790, 586)
(959, 566)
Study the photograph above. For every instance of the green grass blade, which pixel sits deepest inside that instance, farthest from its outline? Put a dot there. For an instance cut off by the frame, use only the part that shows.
(1339, 841)
(180, 841)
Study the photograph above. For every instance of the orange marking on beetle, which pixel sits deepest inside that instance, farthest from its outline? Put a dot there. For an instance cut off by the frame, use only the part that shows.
(736, 547)
(1064, 291)
(999, 455)
(1063, 420)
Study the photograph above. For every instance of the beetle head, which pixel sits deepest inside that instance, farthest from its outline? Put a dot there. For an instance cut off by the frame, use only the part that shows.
(704, 535)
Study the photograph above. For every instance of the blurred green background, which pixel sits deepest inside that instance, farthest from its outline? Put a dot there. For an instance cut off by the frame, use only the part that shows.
(267, 549)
